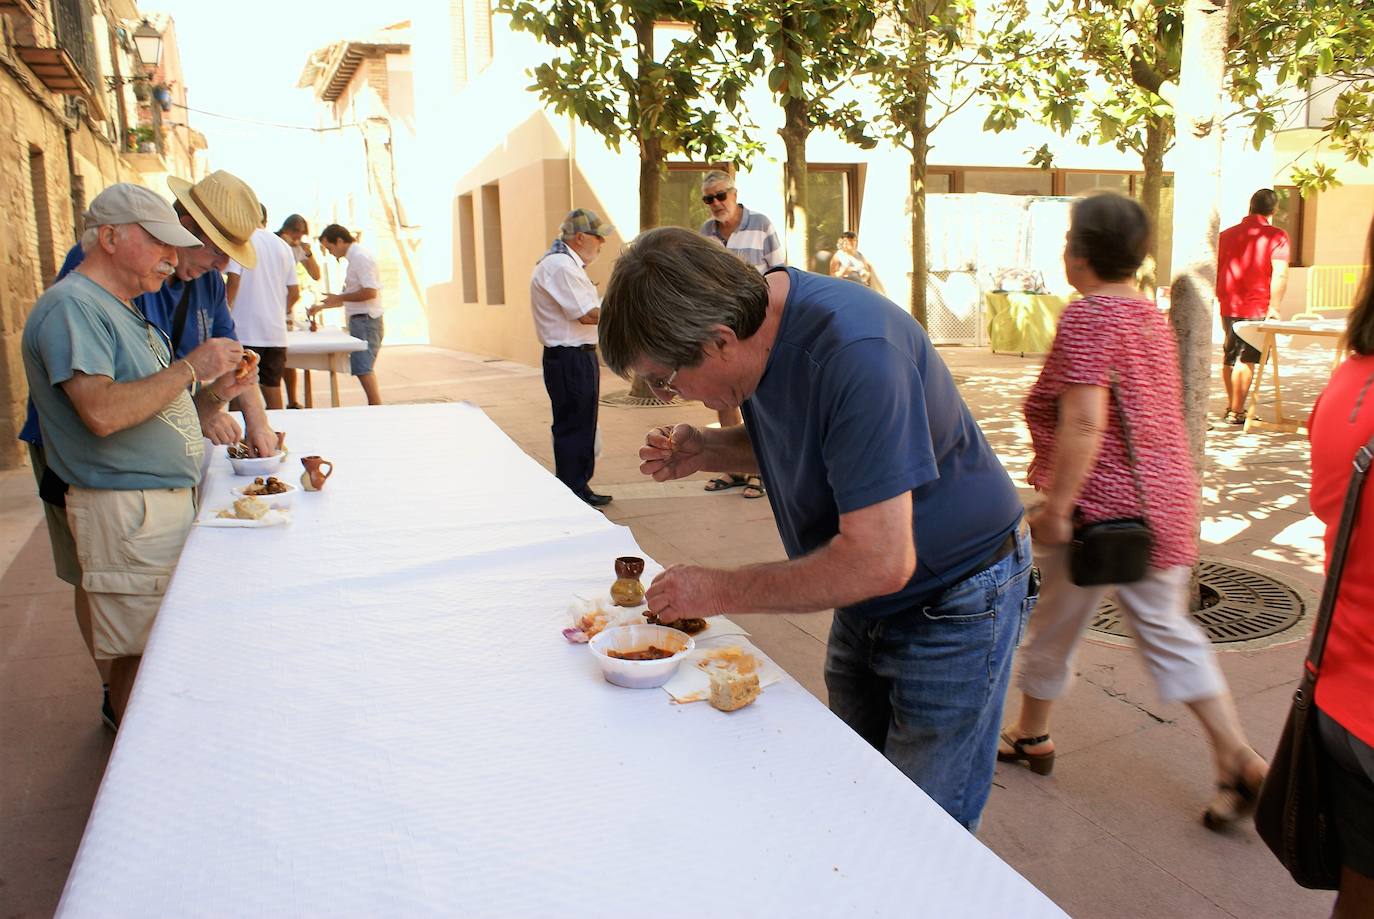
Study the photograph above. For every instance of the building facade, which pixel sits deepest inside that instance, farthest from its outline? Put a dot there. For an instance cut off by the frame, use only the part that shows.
(74, 92)
(489, 173)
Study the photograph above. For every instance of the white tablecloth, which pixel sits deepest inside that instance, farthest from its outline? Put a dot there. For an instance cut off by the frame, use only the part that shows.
(371, 711)
(325, 341)
(1252, 333)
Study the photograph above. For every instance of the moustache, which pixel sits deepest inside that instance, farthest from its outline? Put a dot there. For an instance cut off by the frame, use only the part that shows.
(165, 268)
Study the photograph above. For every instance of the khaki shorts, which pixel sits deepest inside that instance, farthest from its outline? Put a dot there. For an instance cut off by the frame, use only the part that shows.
(128, 543)
(59, 534)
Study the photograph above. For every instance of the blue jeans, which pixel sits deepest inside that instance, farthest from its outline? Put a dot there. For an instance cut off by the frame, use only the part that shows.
(926, 686)
(371, 330)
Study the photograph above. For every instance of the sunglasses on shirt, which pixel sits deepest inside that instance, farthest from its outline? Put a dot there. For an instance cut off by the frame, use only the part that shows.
(718, 196)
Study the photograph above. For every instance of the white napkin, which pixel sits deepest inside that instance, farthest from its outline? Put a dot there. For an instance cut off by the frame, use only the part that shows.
(692, 684)
(272, 518)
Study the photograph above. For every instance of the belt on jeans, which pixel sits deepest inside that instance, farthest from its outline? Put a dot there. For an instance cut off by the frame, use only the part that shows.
(1004, 548)
(573, 347)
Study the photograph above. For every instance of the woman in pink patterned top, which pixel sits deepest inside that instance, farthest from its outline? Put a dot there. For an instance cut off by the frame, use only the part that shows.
(1082, 470)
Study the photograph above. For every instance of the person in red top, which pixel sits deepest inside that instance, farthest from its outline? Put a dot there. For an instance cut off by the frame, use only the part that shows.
(1341, 423)
(1252, 274)
(1115, 339)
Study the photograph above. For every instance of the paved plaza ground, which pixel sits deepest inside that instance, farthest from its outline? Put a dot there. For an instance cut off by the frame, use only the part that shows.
(1114, 833)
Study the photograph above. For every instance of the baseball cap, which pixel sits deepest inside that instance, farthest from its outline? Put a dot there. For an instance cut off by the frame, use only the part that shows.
(586, 220)
(125, 202)
(226, 209)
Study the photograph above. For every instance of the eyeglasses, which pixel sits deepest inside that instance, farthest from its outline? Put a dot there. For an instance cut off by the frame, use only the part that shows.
(161, 346)
(718, 196)
(664, 385)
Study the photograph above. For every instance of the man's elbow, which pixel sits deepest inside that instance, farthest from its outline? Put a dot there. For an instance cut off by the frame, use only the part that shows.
(99, 423)
(899, 570)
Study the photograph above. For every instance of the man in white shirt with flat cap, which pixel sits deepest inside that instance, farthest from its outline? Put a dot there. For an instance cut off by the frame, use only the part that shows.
(566, 308)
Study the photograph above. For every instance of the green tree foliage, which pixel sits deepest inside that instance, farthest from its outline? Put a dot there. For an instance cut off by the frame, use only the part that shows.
(929, 60)
(812, 51)
(1100, 83)
(1321, 48)
(607, 74)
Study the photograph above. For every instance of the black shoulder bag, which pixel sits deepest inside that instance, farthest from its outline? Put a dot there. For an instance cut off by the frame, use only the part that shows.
(179, 317)
(1114, 551)
(1292, 814)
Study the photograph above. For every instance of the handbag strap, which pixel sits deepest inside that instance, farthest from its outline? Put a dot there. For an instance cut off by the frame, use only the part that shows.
(1363, 456)
(1130, 448)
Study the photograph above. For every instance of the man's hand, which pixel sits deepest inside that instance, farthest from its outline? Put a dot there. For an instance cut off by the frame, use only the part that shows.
(220, 428)
(1049, 528)
(229, 387)
(672, 452)
(332, 300)
(214, 358)
(685, 592)
(262, 440)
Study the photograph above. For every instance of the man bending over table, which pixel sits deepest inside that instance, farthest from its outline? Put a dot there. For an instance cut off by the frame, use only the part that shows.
(120, 426)
(891, 505)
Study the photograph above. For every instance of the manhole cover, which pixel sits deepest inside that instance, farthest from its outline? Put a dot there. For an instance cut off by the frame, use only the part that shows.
(626, 399)
(1238, 605)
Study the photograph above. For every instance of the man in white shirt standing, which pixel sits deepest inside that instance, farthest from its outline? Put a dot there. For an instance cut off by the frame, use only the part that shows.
(260, 299)
(362, 303)
(566, 308)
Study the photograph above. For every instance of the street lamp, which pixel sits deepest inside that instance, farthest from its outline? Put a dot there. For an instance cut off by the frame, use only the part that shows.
(148, 40)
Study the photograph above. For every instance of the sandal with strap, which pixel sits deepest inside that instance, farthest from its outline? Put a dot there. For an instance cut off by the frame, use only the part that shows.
(725, 482)
(753, 487)
(1039, 763)
(1235, 801)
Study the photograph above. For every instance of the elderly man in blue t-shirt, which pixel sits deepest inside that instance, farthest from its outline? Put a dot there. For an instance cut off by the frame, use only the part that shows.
(892, 507)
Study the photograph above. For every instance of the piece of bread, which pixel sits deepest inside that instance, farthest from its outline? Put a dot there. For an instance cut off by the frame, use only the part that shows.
(731, 690)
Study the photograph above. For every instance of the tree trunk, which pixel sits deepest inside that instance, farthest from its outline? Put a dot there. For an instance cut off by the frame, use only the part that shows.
(920, 150)
(1156, 139)
(794, 133)
(651, 155)
(1197, 191)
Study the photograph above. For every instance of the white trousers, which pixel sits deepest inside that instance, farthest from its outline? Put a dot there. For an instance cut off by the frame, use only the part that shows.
(1176, 651)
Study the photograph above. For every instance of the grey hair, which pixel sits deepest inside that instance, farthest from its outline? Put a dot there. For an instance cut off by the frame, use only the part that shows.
(716, 177)
(669, 290)
(91, 237)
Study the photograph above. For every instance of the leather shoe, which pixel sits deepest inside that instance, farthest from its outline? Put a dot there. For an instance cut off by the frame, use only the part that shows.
(595, 500)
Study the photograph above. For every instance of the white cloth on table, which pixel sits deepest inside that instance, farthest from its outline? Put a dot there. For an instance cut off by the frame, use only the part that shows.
(380, 716)
(1252, 331)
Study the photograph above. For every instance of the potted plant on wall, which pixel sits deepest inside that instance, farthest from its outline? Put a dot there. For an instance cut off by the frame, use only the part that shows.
(142, 92)
(143, 139)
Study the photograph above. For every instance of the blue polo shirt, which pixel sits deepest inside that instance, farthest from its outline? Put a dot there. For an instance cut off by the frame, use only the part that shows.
(207, 316)
(855, 407)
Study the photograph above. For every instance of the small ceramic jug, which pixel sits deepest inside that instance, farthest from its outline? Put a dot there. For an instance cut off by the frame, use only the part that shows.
(627, 591)
(313, 478)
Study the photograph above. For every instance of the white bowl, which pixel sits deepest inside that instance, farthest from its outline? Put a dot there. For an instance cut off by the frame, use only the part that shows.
(640, 674)
(282, 499)
(257, 465)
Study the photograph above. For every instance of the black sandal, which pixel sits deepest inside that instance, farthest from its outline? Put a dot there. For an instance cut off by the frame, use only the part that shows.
(726, 482)
(1244, 797)
(1039, 763)
(753, 487)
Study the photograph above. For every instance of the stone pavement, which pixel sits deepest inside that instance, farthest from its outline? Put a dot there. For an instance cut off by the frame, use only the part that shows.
(1113, 833)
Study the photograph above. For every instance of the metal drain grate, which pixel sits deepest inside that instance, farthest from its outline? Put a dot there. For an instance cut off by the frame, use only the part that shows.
(1238, 605)
(625, 398)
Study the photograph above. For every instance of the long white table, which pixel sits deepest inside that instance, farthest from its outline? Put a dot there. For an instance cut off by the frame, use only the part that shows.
(326, 349)
(371, 712)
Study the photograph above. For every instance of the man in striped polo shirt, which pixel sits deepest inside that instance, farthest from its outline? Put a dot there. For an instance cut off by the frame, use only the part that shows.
(751, 236)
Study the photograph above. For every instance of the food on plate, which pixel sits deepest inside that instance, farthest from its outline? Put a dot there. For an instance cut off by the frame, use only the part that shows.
(248, 508)
(690, 626)
(269, 486)
(247, 364)
(651, 653)
(587, 626)
(627, 590)
(733, 658)
(731, 690)
(240, 450)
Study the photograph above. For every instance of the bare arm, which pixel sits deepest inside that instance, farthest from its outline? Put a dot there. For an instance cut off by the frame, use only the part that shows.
(591, 317)
(356, 296)
(293, 293)
(231, 287)
(107, 407)
(873, 555)
(1077, 441)
(1278, 284)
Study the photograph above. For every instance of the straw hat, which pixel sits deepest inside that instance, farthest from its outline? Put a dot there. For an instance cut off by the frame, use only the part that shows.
(226, 209)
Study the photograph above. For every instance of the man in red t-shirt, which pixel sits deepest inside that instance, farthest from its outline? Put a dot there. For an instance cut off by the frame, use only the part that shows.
(1252, 272)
